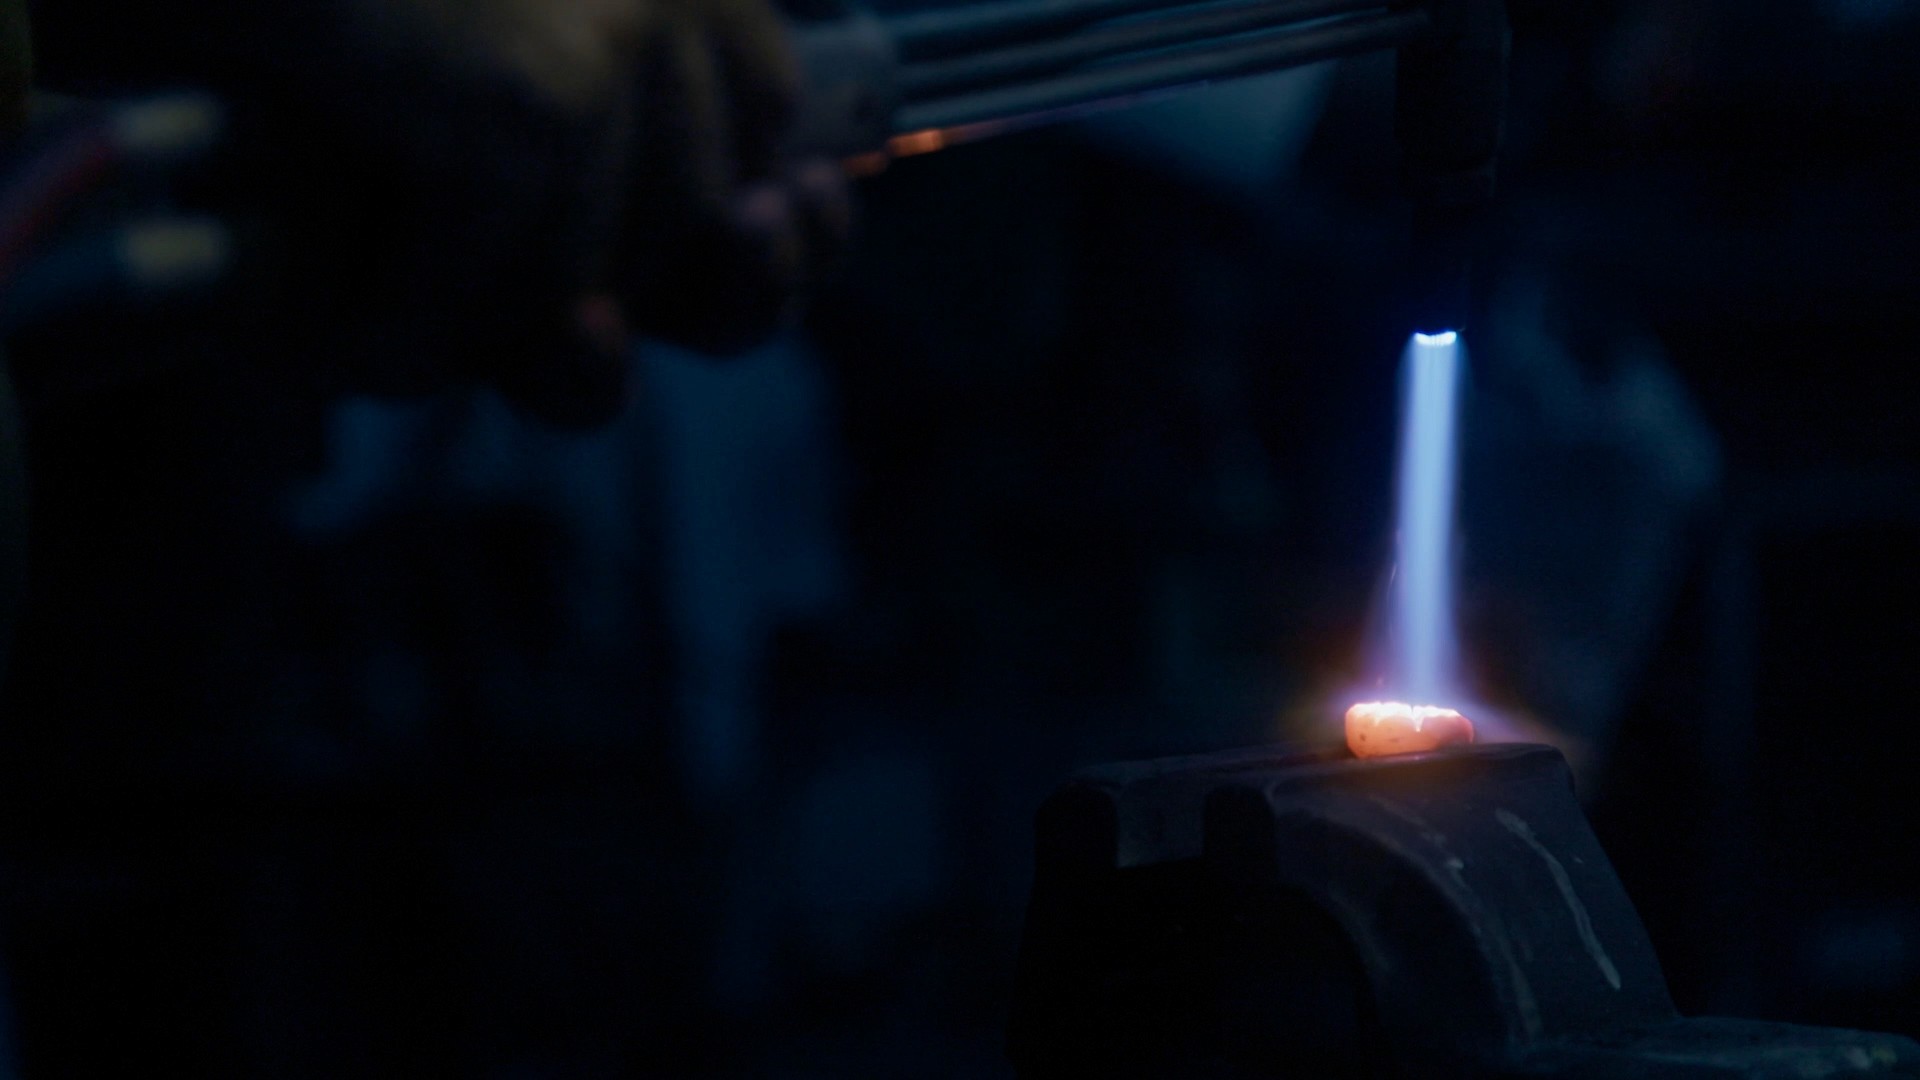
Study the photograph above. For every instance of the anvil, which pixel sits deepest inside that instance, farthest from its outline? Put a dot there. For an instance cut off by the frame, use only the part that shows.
(1276, 913)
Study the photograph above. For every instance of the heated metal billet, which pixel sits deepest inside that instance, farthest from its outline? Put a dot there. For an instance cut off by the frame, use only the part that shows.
(1179, 26)
(1180, 68)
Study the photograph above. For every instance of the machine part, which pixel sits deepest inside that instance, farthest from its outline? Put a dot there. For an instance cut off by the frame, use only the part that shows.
(955, 28)
(1022, 62)
(1449, 112)
(871, 79)
(878, 86)
(852, 78)
(1269, 913)
(1193, 66)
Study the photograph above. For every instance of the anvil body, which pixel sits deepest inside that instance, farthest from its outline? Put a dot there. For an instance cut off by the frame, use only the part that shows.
(1271, 913)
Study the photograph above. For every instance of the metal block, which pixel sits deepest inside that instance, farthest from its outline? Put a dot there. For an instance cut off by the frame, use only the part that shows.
(1280, 913)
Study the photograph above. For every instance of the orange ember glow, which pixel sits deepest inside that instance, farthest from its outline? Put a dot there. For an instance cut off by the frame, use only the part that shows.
(917, 142)
(1380, 728)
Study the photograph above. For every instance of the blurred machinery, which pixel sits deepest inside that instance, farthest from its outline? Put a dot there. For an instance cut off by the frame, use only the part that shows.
(919, 82)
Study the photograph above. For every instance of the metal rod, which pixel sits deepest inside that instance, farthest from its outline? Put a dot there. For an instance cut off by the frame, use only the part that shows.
(1195, 65)
(962, 26)
(970, 72)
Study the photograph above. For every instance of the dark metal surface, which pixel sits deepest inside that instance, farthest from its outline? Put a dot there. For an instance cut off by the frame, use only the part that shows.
(851, 74)
(1275, 913)
(991, 67)
(956, 28)
(1482, 907)
(1450, 108)
(1187, 67)
(1104, 42)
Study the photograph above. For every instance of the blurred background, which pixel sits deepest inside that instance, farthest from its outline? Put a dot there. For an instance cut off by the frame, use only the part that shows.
(360, 732)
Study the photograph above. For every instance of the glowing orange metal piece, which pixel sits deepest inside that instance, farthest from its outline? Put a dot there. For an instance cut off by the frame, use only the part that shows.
(1380, 728)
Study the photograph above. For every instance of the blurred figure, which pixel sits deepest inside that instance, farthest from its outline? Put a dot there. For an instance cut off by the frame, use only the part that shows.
(299, 782)
(492, 190)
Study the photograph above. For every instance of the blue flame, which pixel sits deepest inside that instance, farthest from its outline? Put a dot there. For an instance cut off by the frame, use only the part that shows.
(1425, 652)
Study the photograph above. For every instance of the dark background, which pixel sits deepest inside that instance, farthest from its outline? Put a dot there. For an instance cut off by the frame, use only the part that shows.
(708, 742)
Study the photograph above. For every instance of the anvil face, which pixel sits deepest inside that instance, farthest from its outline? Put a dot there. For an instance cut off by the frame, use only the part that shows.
(1277, 913)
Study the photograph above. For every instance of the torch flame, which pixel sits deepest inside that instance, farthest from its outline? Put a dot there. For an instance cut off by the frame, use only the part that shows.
(1380, 728)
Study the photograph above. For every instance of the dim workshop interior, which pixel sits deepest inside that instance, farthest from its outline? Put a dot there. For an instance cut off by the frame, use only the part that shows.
(949, 539)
